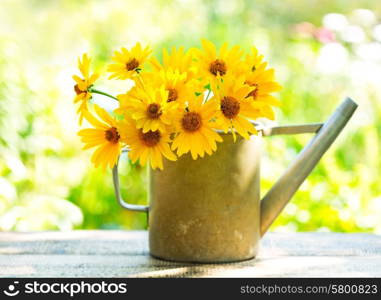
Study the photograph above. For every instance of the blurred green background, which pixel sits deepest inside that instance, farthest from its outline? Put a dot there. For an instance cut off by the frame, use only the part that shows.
(322, 50)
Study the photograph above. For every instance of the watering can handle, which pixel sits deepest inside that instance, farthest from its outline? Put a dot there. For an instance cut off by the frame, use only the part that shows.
(265, 131)
(277, 197)
(118, 195)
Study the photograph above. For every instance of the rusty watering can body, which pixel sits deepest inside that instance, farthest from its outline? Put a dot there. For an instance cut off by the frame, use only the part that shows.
(209, 210)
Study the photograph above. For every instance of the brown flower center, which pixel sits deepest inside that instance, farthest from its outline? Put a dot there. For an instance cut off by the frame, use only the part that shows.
(112, 135)
(217, 67)
(153, 111)
(253, 93)
(191, 121)
(230, 107)
(132, 64)
(150, 138)
(172, 95)
(77, 90)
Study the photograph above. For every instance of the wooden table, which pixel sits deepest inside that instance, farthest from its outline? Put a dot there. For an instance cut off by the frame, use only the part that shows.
(125, 254)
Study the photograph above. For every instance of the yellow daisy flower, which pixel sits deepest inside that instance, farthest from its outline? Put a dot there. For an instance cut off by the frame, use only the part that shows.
(175, 83)
(262, 83)
(234, 107)
(178, 60)
(212, 65)
(105, 136)
(148, 146)
(254, 60)
(149, 106)
(136, 93)
(83, 85)
(128, 63)
(195, 129)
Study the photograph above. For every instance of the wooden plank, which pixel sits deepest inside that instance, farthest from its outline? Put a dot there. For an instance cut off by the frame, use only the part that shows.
(125, 254)
(136, 243)
(143, 266)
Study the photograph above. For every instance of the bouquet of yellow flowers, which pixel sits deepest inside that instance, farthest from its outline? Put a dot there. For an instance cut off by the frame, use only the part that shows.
(177, 106)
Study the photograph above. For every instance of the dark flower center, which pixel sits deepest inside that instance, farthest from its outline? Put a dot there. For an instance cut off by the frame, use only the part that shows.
(253, 93)
(77, 90)
(172, 95)
(230, 107)
(132, 64)
(153, 111)
(191, 121)
(217, 67)
(150, 138)
(112, 135)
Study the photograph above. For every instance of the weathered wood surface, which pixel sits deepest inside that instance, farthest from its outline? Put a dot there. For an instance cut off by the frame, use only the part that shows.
(125, 254)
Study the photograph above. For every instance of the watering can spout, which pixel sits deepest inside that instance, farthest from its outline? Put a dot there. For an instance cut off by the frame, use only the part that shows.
(282, 191)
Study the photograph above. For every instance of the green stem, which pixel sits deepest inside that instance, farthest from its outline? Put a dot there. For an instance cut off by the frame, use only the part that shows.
(95, 91)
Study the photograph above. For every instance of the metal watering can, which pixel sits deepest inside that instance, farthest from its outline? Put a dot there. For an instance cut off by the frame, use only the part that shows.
(209, 210)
